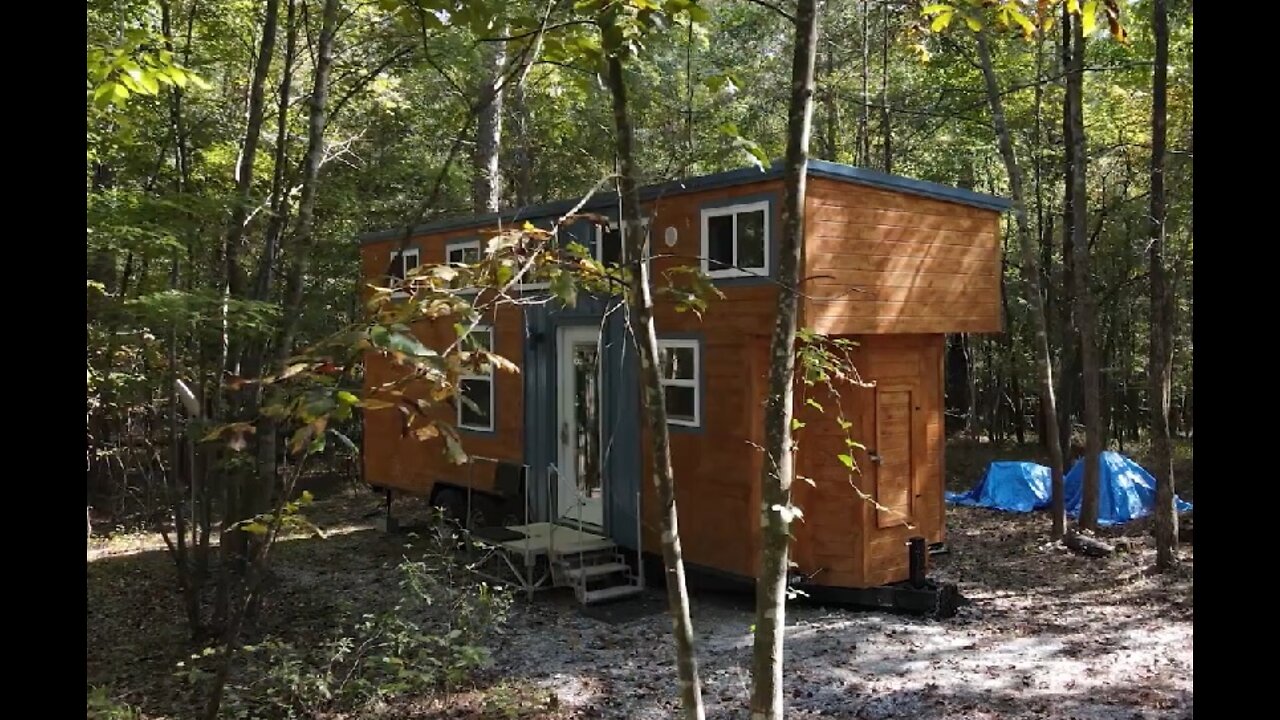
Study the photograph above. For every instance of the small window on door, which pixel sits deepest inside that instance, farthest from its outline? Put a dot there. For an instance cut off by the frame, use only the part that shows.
(475, 385)
(402, 263)
(681, 375)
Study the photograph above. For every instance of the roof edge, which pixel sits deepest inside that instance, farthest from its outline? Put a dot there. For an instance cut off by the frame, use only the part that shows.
(924, 188)
(740, 176)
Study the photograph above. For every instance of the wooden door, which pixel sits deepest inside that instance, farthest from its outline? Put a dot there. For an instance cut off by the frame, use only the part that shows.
(895, 463)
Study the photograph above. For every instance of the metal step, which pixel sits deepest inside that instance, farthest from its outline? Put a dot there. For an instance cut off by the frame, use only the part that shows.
(560, 551)
(610, 593)
(598, 557)
(594, 571)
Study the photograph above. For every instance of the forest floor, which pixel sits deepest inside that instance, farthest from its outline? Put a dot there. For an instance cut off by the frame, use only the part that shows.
(1047, 634)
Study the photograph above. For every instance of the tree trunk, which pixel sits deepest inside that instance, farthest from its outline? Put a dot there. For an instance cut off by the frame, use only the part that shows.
(1160, 364)
(655, 409)
(864, 123)
(279, 179)
(249, 152)
(486, 195)
(775, 480)
(1031, 285)
(831, 107)
(523, 150)
(268, 445)
(300, 248)
(1066, 299)
(1086, 315)
(886, 115)
(234, 509)
(971, 378)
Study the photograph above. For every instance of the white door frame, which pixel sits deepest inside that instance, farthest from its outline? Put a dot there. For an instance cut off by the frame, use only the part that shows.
(591, 511)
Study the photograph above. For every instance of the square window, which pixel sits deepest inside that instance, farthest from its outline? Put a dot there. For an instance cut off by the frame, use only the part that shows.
(720, 241)
(735, 240)
(475, 385)
(609, 246)
(681, 378)
(402, 263)
(681, 404)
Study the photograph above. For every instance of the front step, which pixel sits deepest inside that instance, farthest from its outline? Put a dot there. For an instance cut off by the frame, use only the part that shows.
(614, 592)
(594, 568)
(586, 572)
(590, 546)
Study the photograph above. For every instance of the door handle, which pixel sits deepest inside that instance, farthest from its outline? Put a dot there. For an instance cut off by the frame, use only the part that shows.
(875, 457)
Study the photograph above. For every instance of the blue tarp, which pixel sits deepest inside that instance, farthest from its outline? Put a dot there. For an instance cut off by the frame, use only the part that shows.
(1126, 491)
(1010, 486)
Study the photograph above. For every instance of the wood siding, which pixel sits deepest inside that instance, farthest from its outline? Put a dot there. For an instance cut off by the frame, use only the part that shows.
(392, 460)
(844, 538)
(717, 470)
(884, 262)
(891, 270)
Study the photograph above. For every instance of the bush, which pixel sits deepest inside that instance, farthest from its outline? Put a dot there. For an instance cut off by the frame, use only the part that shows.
(102, 706)
(436, 637)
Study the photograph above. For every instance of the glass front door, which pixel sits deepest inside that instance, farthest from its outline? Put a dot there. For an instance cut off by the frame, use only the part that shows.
(581, 481)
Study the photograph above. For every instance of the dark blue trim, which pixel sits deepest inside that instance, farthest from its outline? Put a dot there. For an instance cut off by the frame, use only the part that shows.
(698, 337)
(771, 237)
(741, 176)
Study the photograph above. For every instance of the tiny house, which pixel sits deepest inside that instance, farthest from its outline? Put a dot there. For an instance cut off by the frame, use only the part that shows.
(889, 262)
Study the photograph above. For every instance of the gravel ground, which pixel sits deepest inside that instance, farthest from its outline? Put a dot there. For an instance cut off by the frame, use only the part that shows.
(1048, 634)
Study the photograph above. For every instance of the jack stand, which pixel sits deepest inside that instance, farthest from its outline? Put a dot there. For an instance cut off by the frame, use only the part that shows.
(388, 523)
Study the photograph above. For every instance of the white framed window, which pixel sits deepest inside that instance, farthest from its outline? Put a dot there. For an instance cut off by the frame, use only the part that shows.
(736, 240)
(476, 385)
(680, 371)
(609, 246)
(462, 252)
(531, 279)
(401, 264)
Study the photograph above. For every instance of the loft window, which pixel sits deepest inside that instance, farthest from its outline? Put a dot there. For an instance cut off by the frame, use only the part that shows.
(402, 263)
(609, 247)
(462, 253)
(735, 240)
(680, 374)
(475, 385)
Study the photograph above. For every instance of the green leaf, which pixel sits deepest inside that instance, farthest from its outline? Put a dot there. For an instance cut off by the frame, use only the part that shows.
(941, 22)
(698, 14)
(103, 94)
(974, 25)
(254, 528)
(846, 460)
(937, 8)
(814, 404)
(796, 424)
(347, 398)
(148, 83)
